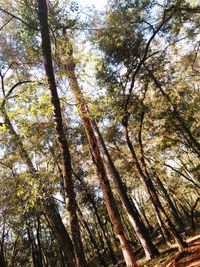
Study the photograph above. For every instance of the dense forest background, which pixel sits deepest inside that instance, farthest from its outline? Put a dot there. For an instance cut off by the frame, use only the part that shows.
(99, 132)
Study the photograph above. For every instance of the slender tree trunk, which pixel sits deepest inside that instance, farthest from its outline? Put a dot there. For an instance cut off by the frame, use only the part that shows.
(39, 246)
(64, 149)
(33, 247)
(182, 127)
(92, 238)
(158, 208)
(97, 159)
(92, 202)
(173, 210)
(134, 217)
(2, 259)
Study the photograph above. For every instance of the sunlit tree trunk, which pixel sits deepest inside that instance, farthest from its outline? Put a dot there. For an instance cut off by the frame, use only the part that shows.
(98, 161)
(134, 217)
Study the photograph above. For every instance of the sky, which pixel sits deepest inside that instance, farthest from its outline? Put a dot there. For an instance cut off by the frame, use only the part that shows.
(97, 3)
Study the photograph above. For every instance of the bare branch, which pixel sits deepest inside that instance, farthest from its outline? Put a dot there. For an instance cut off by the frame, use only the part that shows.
(10, 92)
(6, 23)
(16, 17)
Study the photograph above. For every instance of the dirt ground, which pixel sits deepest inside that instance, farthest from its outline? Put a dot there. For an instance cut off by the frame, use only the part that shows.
(171, 257)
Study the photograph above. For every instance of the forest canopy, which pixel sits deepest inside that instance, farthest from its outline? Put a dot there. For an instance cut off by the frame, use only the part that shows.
(99, 133)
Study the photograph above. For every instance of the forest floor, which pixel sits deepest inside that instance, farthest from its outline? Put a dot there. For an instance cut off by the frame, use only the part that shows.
(171, 257)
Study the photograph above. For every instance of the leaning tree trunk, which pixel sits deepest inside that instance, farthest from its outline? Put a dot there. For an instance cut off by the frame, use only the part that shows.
(98, 161)
(64, 149)
(150, 189)
(173, 210)
(134, 217)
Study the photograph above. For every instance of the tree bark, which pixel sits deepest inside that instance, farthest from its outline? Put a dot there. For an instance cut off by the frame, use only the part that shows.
(134, 217)
(97, 159)
(64, 149)
(158, 208)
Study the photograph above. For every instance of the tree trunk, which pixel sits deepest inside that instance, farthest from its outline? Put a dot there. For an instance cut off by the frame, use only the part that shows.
(134, 217)
(92, 238)
(60, 231)
(40, 258)
(64, 149)
(2, 259)
(97, 159)
(92, 202)
(158, 208)
(173, 210)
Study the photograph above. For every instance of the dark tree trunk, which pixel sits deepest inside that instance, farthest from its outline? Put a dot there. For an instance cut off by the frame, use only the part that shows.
(39, 246)
(64, 149)
(161, 214)
(33, 248)
(92, 239)
(92, 202)
(173, 210)
(60, 231)
(2, 259)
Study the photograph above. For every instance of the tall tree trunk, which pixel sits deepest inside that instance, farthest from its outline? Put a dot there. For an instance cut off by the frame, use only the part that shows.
(34, 251)
(134, 217)
(64, 149)
(39, 246)
(98, 161)
(148, 185)
(2, 258)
